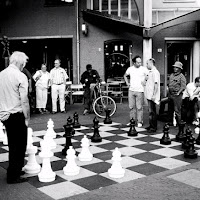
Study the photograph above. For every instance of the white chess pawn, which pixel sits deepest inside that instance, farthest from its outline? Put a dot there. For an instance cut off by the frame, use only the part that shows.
(49, 137)
(32, 167)
(5, 139)
(50, 130)
(46, 174)
(116, 170)
(29, 138)
(85, 154)
(71, 168)
(2, 135)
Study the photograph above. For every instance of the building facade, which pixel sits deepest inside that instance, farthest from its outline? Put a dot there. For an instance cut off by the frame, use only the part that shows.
(104, 33)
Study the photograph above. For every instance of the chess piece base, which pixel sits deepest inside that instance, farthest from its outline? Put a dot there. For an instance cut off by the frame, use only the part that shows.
(190, 154)
(165, 141)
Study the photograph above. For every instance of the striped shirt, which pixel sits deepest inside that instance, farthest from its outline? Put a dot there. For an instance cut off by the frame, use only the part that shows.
(12, 83)
(58, 76)
(176, 83)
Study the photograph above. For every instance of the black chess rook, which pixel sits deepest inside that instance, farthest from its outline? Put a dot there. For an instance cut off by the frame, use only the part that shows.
(188, 133)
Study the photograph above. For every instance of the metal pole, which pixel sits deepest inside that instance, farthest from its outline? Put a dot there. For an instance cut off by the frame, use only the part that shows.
(78, 41)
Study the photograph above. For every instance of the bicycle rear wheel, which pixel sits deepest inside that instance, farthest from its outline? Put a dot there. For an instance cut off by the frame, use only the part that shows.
(101, 104)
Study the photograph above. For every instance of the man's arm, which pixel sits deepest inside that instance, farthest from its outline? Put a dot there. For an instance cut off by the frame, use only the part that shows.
(126, 79)
(23, 92)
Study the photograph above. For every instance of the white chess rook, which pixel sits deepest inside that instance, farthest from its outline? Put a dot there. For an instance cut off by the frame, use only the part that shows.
(32, 167)
(46, 174)
(85, 154)
(71, 168)
(116, 170)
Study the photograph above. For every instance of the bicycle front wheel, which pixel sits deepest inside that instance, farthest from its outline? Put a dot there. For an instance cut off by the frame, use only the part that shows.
(101, 104)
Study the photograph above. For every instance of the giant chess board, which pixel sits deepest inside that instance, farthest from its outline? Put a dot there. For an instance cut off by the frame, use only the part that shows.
(142, 155)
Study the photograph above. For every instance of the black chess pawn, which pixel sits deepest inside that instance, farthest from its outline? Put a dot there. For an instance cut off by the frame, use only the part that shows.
(69, 133)
(190, 152)
(198, 138)
(180, 136)
(132, 131)
(76, 123)
(188, 133)
(165, 139)
(96, 137)
(107, 120)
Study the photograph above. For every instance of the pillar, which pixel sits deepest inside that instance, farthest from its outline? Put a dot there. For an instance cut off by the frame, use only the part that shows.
(196, 60)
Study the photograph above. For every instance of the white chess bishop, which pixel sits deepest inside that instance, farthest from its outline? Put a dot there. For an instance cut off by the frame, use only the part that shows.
(116, 170)
(46, 174)
(71, 168)
(85, 154)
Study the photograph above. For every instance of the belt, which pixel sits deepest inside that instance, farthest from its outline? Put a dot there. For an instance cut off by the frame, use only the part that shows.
(58, 83)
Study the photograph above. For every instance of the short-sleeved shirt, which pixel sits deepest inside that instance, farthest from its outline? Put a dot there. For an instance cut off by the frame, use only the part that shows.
(58, 75)
(176, 82)
(137, 76)
(189, 91)
(43, 80)
(153, 78)
(12, 83)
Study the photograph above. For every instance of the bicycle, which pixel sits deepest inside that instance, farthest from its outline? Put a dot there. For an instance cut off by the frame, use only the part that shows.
(102, 102)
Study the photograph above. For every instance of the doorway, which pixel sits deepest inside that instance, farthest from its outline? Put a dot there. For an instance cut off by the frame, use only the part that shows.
(116, 57)
(45, 51)
(177, 51)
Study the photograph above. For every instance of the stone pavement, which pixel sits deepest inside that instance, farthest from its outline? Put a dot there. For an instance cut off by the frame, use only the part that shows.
(182, 183)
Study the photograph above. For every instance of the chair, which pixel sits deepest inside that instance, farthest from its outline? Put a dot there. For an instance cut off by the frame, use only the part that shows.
(115, 90)
(76, 92)
(68, 94)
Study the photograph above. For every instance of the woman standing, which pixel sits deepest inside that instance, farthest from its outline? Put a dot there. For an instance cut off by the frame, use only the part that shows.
(42, 79)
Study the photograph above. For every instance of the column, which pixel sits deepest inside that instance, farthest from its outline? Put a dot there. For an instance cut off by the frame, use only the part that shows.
(196, 60)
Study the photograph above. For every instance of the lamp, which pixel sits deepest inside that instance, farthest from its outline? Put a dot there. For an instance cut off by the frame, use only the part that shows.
(84, 29)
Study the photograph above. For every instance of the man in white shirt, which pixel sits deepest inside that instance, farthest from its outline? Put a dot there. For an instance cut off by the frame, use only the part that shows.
(58, 77)
(138, 75)
(152, 94)
(191, 101)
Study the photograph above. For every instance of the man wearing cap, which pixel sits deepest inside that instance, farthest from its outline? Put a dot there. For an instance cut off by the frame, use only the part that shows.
(177, 84)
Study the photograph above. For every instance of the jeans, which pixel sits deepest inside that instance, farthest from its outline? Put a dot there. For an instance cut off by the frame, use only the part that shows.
(136, 101)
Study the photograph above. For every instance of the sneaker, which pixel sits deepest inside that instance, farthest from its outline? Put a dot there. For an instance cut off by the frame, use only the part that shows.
(85, 112)
(139, 125)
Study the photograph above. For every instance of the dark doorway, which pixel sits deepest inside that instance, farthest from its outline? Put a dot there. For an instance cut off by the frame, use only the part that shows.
(116, 55)
(179, 52)
(45, 51)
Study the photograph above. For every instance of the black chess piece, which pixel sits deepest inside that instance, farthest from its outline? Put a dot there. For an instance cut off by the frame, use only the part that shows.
(69, 133)
(165, 139)
(96, 137)
(190, 152)
(188, 133)
(76, 123)
(132, 131)
(180, 136)
(198, 138)
(107, 120)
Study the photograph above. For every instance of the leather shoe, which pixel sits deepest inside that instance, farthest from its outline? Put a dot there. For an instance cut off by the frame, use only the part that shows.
(63, 111)
(17, 180)
(53, 112)
(22, 173)
(148, 128)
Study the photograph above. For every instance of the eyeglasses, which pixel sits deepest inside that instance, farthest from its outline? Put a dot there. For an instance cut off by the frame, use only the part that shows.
(56, 63)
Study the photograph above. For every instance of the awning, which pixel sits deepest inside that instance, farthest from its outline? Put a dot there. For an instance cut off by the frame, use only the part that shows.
(111, 22)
